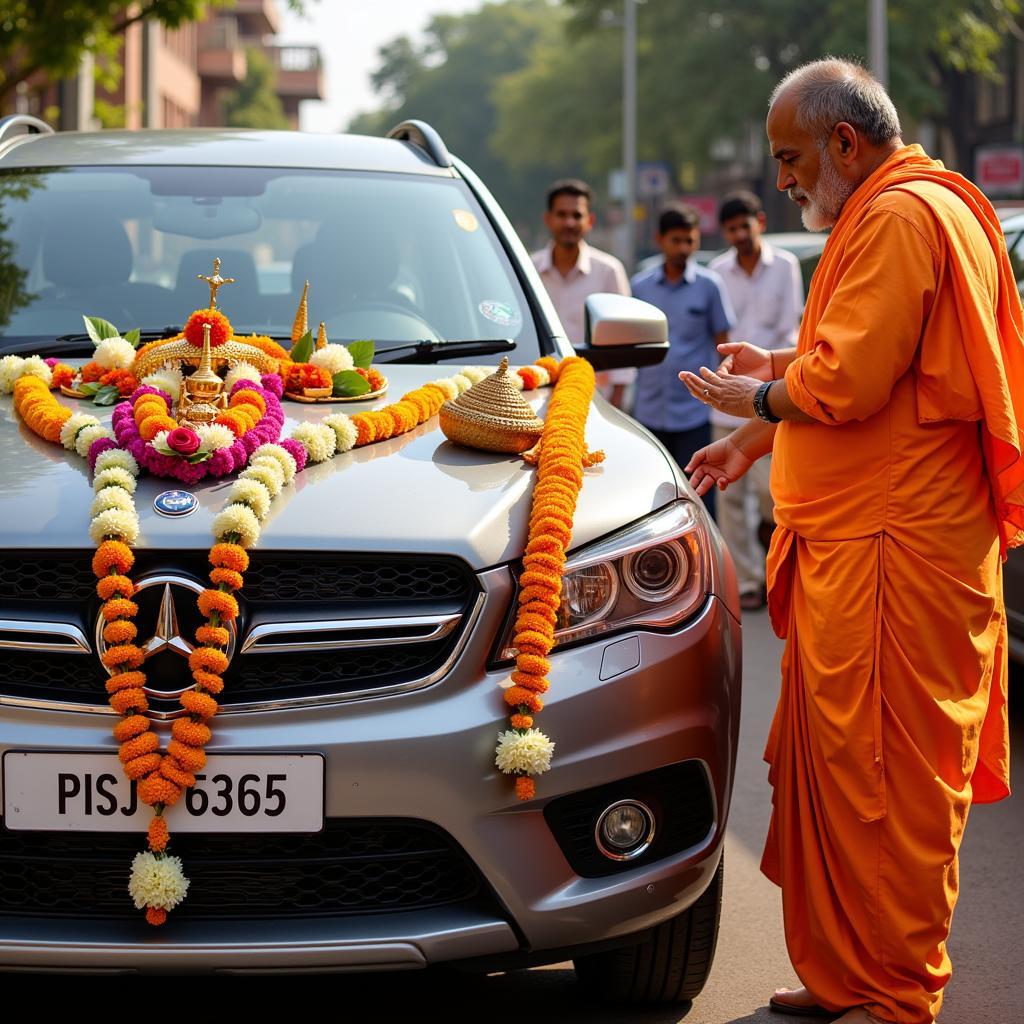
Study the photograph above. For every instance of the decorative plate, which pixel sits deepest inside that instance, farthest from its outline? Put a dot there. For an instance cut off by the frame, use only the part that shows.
(369, 396)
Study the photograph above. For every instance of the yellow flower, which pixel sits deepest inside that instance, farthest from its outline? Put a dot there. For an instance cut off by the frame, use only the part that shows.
(215, 435)
(528, 752)
(281, 455)
(252, 493)
(86, 437)
(117, 458)
(117, 523)
(112, 497)
(116, 477)
(157, 881)
(344, 430)
(474, 374)
(241, 371)
(319, 441)
(238, 519)
(72, 425)
(333, 358)
(268, 471)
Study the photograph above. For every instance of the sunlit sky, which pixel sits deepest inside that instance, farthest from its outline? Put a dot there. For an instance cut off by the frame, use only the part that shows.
(349, 34)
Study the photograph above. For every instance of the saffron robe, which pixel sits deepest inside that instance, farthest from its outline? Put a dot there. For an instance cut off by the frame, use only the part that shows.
(895, 508)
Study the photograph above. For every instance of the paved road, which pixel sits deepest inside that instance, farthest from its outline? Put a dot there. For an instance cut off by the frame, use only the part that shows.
(987, 946)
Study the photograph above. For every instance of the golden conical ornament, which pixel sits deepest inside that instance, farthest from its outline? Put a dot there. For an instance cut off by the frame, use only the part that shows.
(492, 416)
(301, 324)
(321, 336)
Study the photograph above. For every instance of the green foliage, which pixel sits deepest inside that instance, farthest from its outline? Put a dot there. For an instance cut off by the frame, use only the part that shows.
(255, 103)
(455, 79)
(349, 384)
(302, 349)
(52, 35)
(15, 187)
(709, 72)
(361, 353)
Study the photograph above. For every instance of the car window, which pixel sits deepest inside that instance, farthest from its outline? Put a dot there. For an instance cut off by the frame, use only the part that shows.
(389, 257)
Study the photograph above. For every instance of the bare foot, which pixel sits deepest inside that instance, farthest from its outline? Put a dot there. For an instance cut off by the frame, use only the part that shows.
(795, 997)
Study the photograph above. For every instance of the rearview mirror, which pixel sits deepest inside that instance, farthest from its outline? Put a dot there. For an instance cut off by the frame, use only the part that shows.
(622, 331)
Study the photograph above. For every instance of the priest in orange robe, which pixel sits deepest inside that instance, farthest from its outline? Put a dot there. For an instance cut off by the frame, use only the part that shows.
(896, 428)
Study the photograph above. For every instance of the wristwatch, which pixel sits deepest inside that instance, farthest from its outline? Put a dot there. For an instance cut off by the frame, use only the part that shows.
(761, 410)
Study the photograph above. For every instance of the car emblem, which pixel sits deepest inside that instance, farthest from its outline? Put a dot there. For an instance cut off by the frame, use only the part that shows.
(175, 503)
(169, 602)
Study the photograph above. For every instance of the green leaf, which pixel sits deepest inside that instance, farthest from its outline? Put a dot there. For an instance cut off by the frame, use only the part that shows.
(107, 395)
(303, 348)
(349, 384)
(362, 353)
(163, 447)
(132, 337)
(199, 456)
(89, 389)
(99, 329)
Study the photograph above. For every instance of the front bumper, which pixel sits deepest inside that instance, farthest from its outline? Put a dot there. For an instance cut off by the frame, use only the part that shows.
(428, 755)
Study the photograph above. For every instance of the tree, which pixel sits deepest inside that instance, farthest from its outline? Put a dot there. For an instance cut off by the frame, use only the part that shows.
(709, 73)
(51, 36)
(255, 103)
(454, 79)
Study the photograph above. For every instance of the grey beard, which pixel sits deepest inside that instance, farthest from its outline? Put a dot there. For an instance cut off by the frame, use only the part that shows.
(826, 200)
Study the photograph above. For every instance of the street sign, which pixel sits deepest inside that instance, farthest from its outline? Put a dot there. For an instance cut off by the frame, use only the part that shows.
(707, 207)
(653, 180)
(999, 170)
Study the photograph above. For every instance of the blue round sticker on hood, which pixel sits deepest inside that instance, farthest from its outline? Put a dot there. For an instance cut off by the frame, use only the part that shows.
(175, 503)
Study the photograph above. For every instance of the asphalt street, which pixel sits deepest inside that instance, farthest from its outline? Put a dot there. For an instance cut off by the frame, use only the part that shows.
(987, 945)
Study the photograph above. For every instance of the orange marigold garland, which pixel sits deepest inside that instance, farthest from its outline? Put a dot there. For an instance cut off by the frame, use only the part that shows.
(524, 751)
(157, 883)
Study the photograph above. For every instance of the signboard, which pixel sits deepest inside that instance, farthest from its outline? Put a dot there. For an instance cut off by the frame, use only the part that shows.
(999, 170)
(707, 207)
(653, 180)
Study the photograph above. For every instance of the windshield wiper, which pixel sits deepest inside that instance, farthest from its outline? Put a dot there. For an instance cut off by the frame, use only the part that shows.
(431, 351)
(148, 334)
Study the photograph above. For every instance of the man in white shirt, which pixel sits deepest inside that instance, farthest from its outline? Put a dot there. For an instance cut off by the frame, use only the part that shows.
(571, 270)
(767, 294)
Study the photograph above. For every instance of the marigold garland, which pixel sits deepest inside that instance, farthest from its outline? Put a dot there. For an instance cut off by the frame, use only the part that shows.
(560, 457)
(158, 883)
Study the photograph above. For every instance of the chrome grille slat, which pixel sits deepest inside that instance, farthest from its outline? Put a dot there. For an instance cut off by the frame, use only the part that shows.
(406, 617)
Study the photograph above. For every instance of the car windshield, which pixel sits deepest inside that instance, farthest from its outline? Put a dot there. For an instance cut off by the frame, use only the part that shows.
(390, 258)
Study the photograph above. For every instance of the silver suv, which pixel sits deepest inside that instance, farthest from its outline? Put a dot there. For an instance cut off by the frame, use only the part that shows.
(362, 702)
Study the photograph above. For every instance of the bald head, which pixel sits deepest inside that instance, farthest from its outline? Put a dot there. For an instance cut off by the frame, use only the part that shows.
(827, 92)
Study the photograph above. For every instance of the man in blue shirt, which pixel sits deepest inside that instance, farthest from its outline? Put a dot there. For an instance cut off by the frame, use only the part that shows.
(699, 318)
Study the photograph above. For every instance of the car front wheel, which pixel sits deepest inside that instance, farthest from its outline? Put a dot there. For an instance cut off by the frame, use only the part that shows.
(670, 966)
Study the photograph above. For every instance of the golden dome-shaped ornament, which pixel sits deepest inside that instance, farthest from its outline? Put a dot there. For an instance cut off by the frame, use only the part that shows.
(492, 416)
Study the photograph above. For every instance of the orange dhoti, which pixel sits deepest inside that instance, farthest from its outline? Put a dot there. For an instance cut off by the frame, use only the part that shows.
(895, 507)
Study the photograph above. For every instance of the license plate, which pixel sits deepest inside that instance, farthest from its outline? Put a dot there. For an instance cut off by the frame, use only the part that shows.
(72, 792)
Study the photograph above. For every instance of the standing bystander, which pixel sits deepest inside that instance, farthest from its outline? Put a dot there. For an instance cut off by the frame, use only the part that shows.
(767, 295)
(572, 270)
(699, 317)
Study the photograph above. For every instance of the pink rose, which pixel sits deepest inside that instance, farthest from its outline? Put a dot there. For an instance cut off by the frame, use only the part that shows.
(183, 441)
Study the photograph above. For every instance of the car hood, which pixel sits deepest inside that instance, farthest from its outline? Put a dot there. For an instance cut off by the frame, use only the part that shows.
(417, 493)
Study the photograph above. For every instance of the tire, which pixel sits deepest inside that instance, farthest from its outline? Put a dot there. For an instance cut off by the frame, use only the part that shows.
(671, 966)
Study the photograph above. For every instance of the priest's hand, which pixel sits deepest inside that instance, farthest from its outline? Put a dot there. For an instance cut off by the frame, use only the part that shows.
(717, 465)
(746, 360)
(726, 392)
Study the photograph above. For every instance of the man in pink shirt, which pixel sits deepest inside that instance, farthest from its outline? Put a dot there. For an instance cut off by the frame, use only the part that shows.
(571, 270)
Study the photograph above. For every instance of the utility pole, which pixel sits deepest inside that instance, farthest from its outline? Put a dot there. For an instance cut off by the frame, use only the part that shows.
(629, 130)
(878, 41)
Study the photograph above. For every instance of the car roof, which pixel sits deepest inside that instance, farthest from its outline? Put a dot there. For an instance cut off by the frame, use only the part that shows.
(218, 147)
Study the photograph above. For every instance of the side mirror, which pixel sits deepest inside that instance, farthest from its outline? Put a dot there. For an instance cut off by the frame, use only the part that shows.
(622, 331)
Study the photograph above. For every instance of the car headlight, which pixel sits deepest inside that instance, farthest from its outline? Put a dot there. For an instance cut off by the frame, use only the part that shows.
(652, 574)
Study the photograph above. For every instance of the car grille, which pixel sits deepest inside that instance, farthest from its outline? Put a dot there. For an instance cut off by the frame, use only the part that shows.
(679, 795)
(354, 866)
(279, 587)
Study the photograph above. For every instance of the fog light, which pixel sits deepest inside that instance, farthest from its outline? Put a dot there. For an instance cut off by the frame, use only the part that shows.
(625, 830)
